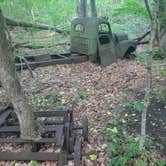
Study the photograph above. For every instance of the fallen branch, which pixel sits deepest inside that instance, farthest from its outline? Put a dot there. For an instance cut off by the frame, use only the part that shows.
(28, 66)
(38, 26)
(143, 42)
(143, 36)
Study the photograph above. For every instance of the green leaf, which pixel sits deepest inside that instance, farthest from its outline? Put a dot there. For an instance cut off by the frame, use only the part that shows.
(92, 157)
(32, 163)
(140, 162)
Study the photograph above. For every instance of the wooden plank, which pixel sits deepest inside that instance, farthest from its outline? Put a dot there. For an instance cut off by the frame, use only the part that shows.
(4, 115)
(26, 156)
(59, 136)
(19, 140)
(16, 129)
(50, 113)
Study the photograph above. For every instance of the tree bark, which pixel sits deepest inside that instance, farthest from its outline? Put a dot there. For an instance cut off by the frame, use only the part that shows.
(78, 12)
(162, 23)
(93, 8)
(153, 35)
(9, 80)
(83, 8)
(30, 25)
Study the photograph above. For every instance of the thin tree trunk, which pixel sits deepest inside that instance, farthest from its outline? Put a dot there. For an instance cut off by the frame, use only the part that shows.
(78, 5)
(153, 19)
(146, 101)
(162, 22)
(93, 8)
(83, 8)
(9, 80)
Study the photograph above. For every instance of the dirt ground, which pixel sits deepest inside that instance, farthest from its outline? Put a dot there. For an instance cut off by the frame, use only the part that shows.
(90, 89)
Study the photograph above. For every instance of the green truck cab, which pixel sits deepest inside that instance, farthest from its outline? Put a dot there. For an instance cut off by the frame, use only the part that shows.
(93, 37)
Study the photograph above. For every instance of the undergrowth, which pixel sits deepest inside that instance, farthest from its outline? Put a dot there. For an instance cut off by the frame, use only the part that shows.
(124, 146)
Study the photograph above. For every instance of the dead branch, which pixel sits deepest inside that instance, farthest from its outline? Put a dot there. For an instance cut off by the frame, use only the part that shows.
(38, 26)
(28, 66)
(143, 42)
(143, 36)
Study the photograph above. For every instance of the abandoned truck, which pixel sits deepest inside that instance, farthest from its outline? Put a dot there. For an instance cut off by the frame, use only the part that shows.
(93, 37)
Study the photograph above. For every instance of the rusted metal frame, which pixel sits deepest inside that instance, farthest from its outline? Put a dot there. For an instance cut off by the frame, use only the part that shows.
(4, 116)
(63, 132)
(67, 135)
(9, 105)
(21, 141)
(77, 152)
(69, 60)
(59, 136)
(15, 129)
(26, 156)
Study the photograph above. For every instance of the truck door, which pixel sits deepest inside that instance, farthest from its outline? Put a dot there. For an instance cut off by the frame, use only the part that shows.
(106, 48)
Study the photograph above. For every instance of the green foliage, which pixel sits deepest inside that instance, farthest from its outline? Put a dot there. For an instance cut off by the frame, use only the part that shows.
(32, 163)
(163, 72)
(158, 54)
(55, 12)
(162, 94)
(125, 15)
(160, 162)
(131, 7)
(136, 105)
(48, 100)
(143, 56)
(123, 148)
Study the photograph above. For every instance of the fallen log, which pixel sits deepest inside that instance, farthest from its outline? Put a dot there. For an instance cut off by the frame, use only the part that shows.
(38, 26)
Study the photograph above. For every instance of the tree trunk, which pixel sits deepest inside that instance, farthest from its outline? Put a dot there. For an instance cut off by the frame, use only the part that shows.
(153, 39)
(93, 8)
(78, 12)
(9, 80)
(83, 8)
(162, 23)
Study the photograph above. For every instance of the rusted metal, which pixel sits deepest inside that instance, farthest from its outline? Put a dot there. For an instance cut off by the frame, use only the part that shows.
(63, 136)
(3, 116)
(45, 60)
(93, 37)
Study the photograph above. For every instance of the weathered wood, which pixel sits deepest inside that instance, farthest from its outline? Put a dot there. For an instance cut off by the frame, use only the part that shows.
(50, 113)
(4, 115)
(16, 129)
(21, 141)
(26, 156)
(77, 152)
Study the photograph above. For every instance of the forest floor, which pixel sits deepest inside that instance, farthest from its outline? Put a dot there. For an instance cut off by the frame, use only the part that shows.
(90, 89)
